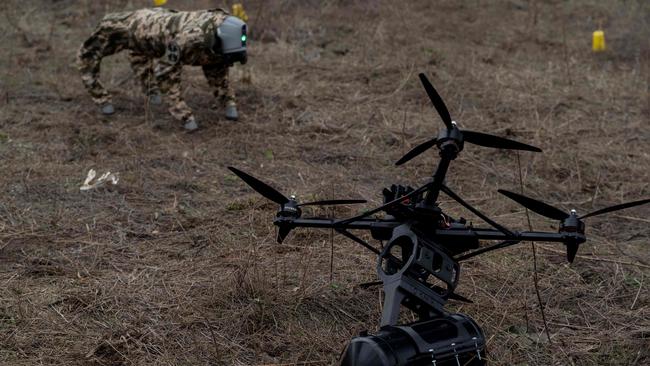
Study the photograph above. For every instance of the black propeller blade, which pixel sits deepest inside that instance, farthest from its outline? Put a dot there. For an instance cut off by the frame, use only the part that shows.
(536, 206)
(436, 100)
(557, 214)
(417, 151)
(261, 187)
(615, 208)
(477, 138)
(551, 212)
(483, 139)
(277, 197)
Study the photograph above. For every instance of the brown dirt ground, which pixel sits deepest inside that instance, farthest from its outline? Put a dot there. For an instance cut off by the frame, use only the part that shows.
(178, 263)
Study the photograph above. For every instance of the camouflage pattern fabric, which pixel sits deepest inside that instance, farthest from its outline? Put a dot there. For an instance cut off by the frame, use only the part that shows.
(160, 41)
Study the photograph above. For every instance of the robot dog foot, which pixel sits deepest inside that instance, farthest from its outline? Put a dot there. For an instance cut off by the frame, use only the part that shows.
(155, 99)
(191, 125)
(107, 109)
(231, 112)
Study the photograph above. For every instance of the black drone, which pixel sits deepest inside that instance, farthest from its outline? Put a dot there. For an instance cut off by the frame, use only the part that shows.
(419, 265)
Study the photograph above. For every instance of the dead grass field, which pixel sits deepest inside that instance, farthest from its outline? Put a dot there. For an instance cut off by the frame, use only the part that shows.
(178, 264)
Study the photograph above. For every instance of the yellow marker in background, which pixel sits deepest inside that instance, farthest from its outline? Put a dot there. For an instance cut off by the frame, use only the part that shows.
(598, 41)
(159, 2)
(239, 12)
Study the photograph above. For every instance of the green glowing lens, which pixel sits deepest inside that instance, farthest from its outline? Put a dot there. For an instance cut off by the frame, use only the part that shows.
(243, 38)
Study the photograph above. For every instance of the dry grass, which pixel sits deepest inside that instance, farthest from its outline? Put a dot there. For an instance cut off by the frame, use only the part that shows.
(178, 264)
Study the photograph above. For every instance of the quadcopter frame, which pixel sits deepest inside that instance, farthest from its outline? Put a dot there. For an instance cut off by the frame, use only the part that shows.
(419, 266)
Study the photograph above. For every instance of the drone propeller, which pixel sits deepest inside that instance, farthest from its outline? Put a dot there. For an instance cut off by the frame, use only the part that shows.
(277, 197)
(616, 208)
(483, 139)
(476, 138)
(551, 212)
(261, 187)
(288, 204)
(417, 151)
(437, 101)
(536, 206)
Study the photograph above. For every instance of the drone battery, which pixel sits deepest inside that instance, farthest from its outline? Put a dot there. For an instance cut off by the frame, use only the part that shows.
(448, 340)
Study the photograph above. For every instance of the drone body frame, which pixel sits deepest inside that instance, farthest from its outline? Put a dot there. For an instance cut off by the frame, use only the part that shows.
(419, 265)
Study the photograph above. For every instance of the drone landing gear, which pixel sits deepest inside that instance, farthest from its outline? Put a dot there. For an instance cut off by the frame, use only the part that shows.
(407, 267)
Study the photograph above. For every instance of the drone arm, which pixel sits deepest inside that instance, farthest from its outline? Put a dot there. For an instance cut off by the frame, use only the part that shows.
(476, 212)
(322, 223)
(491, 234)
(569, 239)
(385, 227)
(358, 240)
(380, 229)
(503, 244)
(438, 179)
